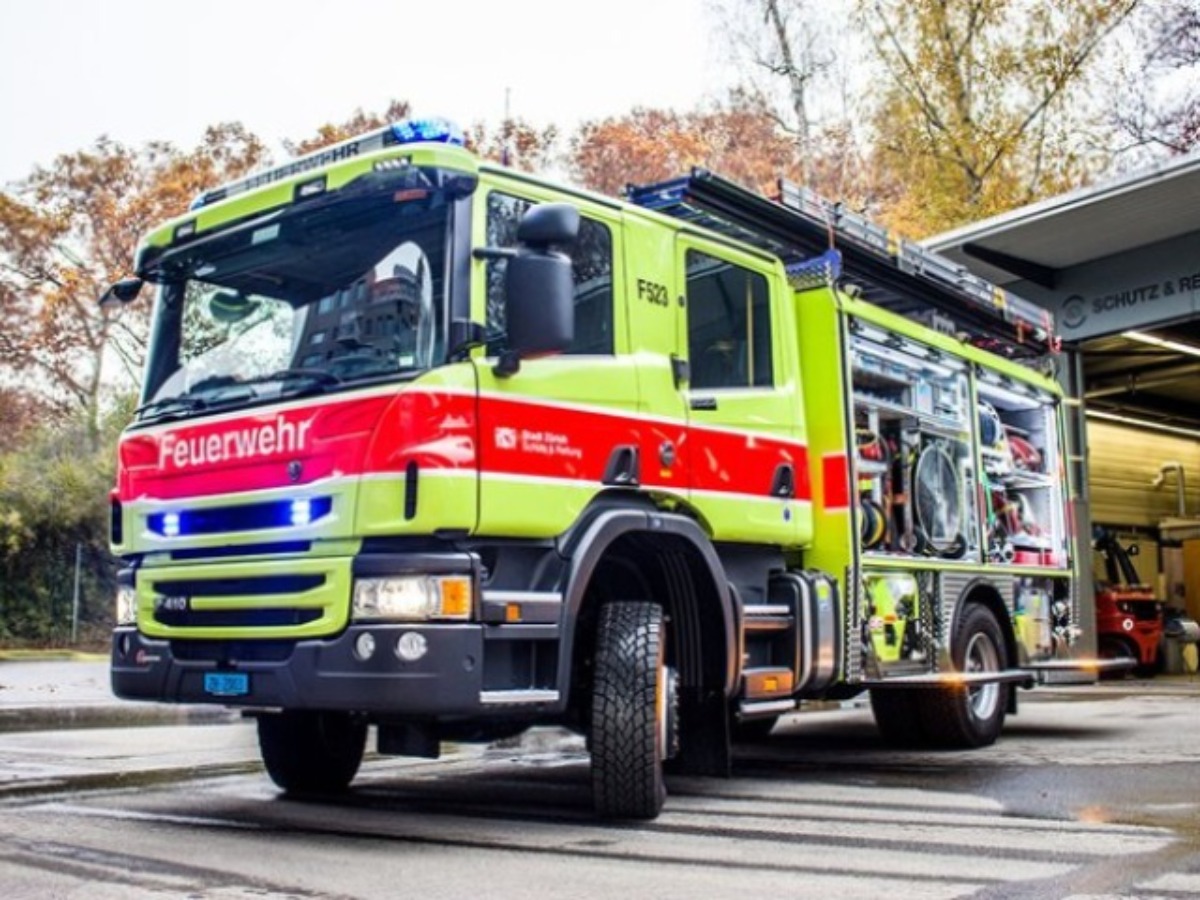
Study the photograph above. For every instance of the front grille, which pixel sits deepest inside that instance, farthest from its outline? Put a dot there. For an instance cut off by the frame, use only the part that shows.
(258, 585)
(235, 618)
(226, 550)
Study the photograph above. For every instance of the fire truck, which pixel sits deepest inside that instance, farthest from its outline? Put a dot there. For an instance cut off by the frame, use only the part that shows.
(435, 450)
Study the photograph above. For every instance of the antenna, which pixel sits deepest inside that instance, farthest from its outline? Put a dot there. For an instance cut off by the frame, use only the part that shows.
(506, 128)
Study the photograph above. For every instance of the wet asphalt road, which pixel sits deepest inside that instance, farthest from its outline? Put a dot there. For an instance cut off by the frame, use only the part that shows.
(1091, 792)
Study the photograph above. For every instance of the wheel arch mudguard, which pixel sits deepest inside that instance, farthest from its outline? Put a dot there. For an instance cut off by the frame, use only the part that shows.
(703, 611)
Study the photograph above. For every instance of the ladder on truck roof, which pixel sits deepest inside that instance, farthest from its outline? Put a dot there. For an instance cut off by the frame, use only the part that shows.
(801, 227)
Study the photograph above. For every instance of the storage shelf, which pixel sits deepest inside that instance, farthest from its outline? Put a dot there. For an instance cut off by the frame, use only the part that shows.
(891, 411)
(1023, 481)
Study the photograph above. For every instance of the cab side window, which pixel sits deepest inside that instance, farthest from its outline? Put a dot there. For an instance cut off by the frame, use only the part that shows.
(591, 265)
(729, 324)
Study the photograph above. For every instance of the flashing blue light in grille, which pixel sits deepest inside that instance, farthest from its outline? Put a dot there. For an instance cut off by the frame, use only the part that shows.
(301, 511)
(294, 513)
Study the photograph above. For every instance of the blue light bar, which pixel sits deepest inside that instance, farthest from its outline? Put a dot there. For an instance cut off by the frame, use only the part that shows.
(408, 131)
(435, 130)
(293, 513)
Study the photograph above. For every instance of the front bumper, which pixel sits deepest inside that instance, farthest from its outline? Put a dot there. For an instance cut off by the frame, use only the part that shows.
(313, 674)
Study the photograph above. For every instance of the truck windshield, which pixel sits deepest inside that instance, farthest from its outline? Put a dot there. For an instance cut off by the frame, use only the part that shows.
(313, 299)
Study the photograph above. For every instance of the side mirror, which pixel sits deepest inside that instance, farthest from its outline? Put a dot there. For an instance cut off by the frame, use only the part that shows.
(547, 224)
(539, 288)
(120, 293)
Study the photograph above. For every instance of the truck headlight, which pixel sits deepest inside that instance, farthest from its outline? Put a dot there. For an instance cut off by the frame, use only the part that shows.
(413, 597)
(126, 605)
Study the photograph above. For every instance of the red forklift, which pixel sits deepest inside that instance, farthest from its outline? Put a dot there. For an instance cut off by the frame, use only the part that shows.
(1129, 617)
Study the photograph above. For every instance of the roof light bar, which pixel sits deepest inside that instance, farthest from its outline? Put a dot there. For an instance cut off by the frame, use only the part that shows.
(408, 131)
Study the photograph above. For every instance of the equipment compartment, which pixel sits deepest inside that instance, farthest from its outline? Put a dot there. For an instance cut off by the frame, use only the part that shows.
(914, 469)
(1021, 474)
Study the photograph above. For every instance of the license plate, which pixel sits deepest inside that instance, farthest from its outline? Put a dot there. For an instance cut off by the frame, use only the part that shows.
(226, 684)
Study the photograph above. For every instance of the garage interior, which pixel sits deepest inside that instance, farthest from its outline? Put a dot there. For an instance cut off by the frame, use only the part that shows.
(1119, 266)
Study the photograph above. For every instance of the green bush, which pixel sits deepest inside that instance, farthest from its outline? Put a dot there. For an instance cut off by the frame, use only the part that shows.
(53, 504)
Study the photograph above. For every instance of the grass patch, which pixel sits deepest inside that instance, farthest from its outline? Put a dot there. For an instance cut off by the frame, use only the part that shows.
(33, 654)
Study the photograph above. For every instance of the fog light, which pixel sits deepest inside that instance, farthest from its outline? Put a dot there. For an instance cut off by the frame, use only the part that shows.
(364, 646)
(411, 646)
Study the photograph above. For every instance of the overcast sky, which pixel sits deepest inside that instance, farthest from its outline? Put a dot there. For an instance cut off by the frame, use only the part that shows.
(72, 70)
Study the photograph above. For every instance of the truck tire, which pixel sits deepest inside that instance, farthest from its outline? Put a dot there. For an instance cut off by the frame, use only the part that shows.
(633, 711)
(311, 752)
(898, 716)
(969, 716)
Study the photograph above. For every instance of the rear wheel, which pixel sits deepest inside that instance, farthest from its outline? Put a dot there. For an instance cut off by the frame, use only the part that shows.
(317, 752)
(970, 715)
(633, 711)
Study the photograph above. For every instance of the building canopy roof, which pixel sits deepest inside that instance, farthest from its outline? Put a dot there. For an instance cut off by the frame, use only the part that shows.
(1036, 242)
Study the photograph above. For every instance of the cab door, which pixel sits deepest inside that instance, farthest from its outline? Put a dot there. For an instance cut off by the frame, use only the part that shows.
(551, 435)
(748, 467)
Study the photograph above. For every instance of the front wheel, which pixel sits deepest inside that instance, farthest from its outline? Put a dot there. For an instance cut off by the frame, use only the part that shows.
(317, 752)
(970, 715)
(633, 711)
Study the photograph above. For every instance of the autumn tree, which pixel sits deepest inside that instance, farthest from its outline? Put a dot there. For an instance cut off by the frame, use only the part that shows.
(516, 143)
(739, 139)
(979, 108)
(798, 58)
(1158, 104)
(68, 231)
(21, 412)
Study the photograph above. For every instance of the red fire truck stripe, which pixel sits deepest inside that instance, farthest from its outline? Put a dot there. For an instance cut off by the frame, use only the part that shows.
(439, 430)
(836, 477)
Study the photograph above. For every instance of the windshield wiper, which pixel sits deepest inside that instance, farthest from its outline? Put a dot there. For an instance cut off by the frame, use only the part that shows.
(186, 404)
(320, 378)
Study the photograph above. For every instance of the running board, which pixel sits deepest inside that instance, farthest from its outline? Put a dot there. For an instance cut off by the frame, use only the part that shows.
(953, 679)
(1077, 671)
(757, 709)
(515, 698)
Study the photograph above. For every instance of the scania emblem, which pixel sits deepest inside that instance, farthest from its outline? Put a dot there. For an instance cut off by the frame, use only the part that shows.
(295, 470)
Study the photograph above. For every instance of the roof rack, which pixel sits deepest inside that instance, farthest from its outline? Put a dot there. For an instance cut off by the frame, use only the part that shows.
(892, 272)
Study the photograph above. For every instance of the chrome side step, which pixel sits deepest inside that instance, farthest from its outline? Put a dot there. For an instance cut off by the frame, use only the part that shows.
(953, 679)
(516, 698)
